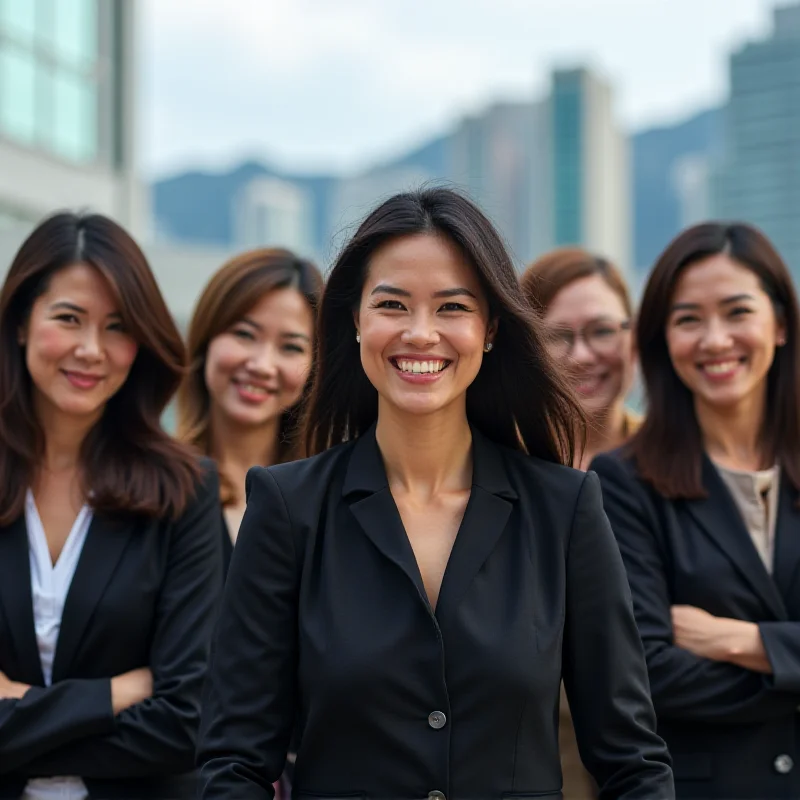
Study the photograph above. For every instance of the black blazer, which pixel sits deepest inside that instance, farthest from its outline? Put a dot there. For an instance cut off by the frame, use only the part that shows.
(144, 594)
(733, 733)
(325, 617)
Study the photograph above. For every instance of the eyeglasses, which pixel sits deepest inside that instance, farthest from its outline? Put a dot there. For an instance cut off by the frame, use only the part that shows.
(602, 337)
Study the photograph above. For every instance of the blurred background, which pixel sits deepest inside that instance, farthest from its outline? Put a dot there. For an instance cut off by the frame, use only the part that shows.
(209, 127)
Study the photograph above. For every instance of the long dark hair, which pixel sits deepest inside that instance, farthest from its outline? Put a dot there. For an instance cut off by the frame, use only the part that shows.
(668, 448)
(517, 399)
(232, 291)
(129, 463)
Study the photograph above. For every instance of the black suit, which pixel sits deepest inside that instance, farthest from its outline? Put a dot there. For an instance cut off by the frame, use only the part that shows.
(144, 594)
(325, 613)
(729, 729)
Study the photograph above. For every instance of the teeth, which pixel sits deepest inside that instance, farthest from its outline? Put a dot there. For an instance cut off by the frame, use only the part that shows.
(249, 387)
(418, 367)
(719, 369)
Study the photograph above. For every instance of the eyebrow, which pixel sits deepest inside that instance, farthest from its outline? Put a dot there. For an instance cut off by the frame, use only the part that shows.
(67, 306)
(457, 291)
(736, 298)
(285, 334)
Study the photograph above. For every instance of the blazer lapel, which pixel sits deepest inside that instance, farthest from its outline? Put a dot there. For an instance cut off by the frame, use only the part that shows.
(16, 601)
(366, 488)
(486, 516)
(787, 540)
(719, 517)
(102, 550)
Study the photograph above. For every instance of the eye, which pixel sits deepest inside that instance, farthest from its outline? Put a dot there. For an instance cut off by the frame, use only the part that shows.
(391, 305)
(67, 317)
(685, 319)
(243, 333)
(118, 326)
(294, 348)
(454, 307)
(740, 311)
(604, 333)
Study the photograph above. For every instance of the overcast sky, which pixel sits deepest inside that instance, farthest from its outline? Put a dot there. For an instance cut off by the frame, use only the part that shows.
(339, 84)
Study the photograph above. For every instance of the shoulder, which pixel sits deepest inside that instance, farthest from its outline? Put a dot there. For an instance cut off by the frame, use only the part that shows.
(615, 464)
(306, 478)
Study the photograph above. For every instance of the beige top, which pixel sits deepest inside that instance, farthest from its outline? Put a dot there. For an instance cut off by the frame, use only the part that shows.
(756, 496)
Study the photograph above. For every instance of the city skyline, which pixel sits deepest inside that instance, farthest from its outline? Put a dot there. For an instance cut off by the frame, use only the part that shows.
(197, 112)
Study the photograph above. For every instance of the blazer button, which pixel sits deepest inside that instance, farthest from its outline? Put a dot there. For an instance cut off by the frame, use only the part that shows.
(437, 720)
(436, 795)
(783, 764)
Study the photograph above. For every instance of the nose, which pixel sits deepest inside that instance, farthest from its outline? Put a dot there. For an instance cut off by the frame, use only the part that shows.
(263, 362)
(421, 331)
(716, 336)
(90, 345)
(582, 353)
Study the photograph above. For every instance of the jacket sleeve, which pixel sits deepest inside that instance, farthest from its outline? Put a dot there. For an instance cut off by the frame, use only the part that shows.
(47, 718)
(604, 670)
(248, 706)
(782, 642)
(683, 685)
(158, 736)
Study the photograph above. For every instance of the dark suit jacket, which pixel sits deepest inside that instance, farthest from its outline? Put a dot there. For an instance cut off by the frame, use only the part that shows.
(726, 727)
(144, 595)
(325, 614)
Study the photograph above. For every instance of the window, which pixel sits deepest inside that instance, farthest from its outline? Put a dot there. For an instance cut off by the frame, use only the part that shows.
(49, 75)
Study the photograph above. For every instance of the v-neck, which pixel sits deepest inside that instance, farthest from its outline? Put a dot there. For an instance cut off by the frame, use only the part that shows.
(38, 538)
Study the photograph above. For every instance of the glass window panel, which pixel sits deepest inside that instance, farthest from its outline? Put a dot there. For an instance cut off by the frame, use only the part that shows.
(18, 94)
(73, 133)
(18, 19)
(70, 29)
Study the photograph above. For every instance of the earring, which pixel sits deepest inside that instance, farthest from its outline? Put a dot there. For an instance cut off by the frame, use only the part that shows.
(488, 347)
(358, 337)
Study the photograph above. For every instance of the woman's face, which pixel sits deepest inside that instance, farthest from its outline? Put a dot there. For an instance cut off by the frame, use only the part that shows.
(257, 368)
(424, 323)
(588, 331)
(722, 332)
(77, 350)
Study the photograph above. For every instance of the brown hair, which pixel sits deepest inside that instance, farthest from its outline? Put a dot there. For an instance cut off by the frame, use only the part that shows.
(228, 296)
(668, 448)
(518, 397)
(553, 271)
(128, 462)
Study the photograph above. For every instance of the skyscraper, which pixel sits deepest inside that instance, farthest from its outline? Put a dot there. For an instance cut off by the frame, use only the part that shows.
(66, 110)
(758, 180)
(590, 172)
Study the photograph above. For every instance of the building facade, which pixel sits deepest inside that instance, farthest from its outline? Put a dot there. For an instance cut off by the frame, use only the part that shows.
(67, 110)
(758, 180)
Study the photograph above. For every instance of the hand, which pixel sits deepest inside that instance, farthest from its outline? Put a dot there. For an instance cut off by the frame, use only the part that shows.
(719, 638)
(131, 688)
(11, 690)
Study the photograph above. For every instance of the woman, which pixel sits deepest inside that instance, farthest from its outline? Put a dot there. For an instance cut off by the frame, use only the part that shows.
(412, 670)
(250, 350)
(703, 502)
(587, 313)
(110, 563)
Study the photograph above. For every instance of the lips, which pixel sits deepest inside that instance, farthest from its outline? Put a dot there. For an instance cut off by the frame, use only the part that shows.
(82, 380)
(588, 384)
(254, 392)
(721, 369)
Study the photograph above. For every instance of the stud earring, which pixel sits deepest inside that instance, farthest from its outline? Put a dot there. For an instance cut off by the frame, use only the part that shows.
(358, 337)
(488, 347)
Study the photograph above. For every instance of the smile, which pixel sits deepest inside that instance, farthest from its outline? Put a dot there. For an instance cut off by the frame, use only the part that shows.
(415, 367)
(721, 369)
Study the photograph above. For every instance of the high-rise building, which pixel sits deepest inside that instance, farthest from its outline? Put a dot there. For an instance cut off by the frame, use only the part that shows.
(270, 212)
(590, 172)
(758, 180)
(66, 110)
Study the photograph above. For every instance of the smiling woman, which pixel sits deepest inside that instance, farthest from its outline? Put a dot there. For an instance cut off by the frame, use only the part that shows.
(411, 597)
(704, 505)
(110, 564)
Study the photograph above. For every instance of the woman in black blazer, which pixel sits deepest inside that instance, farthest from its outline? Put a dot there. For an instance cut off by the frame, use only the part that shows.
(704, 505)
(413, 595)
(110, 559)
(250, 348)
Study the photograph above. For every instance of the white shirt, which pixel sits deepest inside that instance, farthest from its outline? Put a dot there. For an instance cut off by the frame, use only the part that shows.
(49, 586)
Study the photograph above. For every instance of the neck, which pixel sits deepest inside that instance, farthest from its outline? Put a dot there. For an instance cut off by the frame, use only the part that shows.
(605, 430)
(239, 447)
(732, 435)
(63, 438)
(426, 454)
